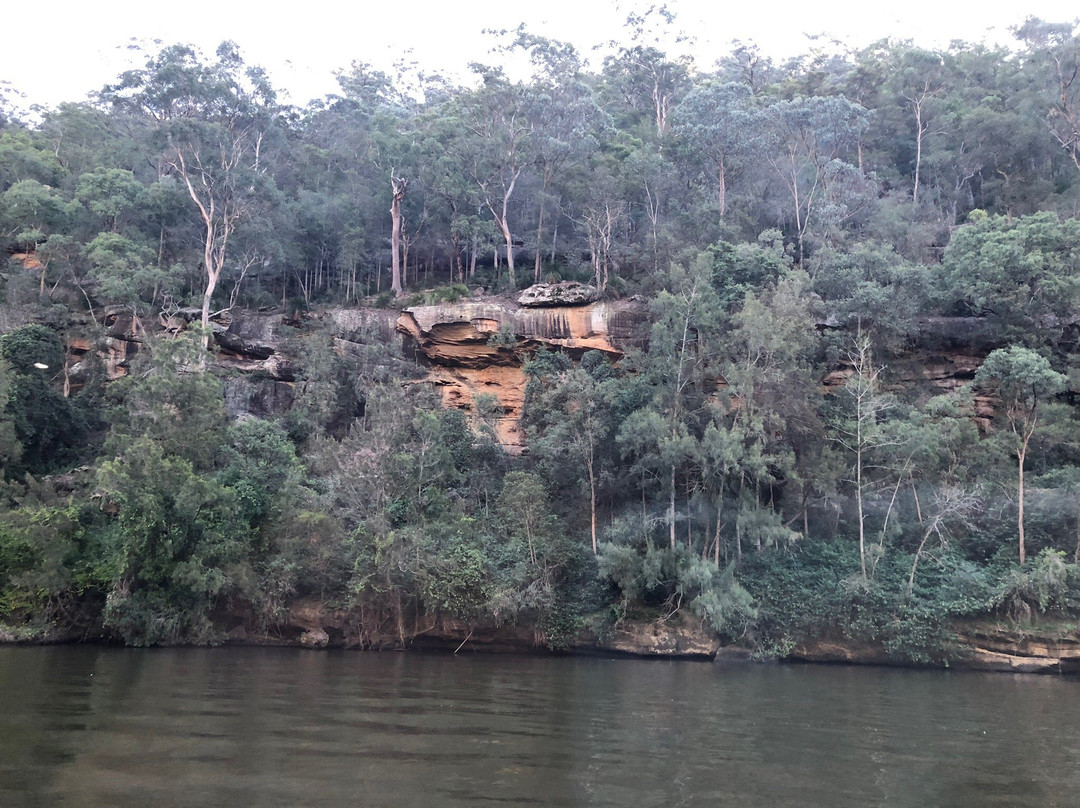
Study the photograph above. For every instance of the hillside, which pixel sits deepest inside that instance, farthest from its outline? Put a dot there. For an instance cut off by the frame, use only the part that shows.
(774, 357)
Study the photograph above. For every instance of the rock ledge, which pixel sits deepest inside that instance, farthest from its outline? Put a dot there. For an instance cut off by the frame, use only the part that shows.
(564, 293)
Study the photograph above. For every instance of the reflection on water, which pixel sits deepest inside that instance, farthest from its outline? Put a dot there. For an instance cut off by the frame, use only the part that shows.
(280, 727)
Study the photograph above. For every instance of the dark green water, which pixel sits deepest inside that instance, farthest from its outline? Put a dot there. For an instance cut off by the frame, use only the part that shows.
(252, 727)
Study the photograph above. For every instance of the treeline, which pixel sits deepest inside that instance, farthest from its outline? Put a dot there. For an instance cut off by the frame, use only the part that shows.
(187, 175)
(788, 223)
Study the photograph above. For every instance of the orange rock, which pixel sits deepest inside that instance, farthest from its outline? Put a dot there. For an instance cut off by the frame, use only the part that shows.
(479, 347)
(28, 260)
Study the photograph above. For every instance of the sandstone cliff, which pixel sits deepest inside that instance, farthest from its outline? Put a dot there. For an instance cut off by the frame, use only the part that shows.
(480, 347)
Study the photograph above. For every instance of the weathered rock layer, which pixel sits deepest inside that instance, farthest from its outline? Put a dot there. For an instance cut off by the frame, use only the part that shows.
(479, 348)
(313, 624)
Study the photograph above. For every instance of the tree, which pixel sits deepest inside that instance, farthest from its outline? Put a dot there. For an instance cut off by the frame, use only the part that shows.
(181, 541)
(809, 138)
(566, 121)
(603, 214)
(494, 148)
(658, 436)
(1062, 498)
(260, 465)
(125, 270)
(719, 124)
(1023, 274)
(755, 442)
(10, 448)
(110, 194)
(169, 400)
(30, 214)
(398, 187)
(1054, 51)
(576, 427)
(380, 136)
(922, 79)
(44, 423)
(929, 452)
(531, 557)
(648, 80)
(1024, 381)
(26, 157)
(209, 124)
(861, 433)
(868, 287)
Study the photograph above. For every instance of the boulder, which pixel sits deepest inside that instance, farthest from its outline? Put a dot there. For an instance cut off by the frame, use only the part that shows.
(315, 638)
(251, 335)
(564, 293)
(678, 638)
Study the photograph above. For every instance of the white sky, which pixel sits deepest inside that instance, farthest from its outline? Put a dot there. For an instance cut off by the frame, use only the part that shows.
(69, 48)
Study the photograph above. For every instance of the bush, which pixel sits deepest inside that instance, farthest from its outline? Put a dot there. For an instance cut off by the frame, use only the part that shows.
(1040, 586)
(816, 591)
(668, 579)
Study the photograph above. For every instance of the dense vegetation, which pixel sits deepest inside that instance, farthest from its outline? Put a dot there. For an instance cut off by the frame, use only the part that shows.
(787, 222)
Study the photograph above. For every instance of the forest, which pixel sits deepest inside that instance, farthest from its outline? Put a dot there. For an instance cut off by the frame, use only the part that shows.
(758, 465)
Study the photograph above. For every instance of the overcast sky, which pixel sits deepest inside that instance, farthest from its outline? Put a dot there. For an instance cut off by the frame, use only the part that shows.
(63, 50)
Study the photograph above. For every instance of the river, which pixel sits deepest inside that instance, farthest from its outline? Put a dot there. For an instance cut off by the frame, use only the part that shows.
(237, 727)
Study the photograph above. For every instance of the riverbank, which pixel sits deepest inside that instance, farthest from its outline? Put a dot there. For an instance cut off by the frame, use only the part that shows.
(993, 645)
(990, 645)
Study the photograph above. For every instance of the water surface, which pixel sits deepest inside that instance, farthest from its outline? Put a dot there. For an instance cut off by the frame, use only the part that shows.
(92, 726)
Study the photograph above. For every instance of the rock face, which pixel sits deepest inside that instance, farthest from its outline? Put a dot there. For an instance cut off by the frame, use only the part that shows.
(944, 357)
(256, 353)
(479, 347)
(122, 340)
(311, 623)
(564, 293)
(361, 326)
(684, 639)
(253, 336)
(983, 645)
(1004, 648)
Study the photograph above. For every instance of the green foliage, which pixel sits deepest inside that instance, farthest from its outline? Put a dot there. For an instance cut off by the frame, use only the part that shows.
(759, 214)
(747, 267)
(171, 399)
(451, 293)
(25, 155)
(31, 345)
(10, 448)
(110, 194)
(668, 579)
(504, 337)
(259, 464)
(533, 561)
(870, 287)
(1024, 274)
(55, 561)
(1021, 377)
(455, 581)
(181, 545)
(1046, 584)
(328, 396)
(816, 592)
(125, 271)
(17, 557)
(42, 427)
